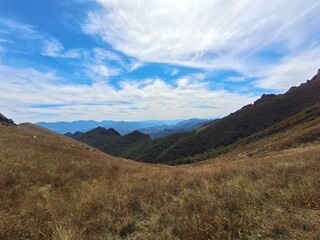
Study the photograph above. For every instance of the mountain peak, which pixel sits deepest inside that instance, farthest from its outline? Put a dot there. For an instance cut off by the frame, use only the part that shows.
(104, 131)
(112, 131)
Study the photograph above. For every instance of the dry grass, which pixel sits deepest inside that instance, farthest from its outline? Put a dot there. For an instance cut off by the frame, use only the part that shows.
(54, 188)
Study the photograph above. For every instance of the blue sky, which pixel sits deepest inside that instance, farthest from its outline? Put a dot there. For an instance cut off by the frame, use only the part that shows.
(140, 60)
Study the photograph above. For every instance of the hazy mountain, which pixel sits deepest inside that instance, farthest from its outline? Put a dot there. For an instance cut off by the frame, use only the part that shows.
(64, 127)
(122, 127)
(73, 135)
(183, 126)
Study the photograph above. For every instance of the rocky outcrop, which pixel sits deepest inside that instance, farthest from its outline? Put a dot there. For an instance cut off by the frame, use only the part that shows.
(6, 121)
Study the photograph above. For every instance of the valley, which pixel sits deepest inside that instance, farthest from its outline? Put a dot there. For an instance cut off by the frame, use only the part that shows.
(54, 187)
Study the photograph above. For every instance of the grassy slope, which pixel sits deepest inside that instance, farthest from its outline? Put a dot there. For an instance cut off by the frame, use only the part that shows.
(245, 122)
(301, 128)
(52, 187)
(228, 130)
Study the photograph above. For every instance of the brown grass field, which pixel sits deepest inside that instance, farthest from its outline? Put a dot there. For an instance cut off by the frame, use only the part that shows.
(52, 187)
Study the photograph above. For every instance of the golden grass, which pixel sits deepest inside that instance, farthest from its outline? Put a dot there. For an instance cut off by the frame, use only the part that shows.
(52, 187)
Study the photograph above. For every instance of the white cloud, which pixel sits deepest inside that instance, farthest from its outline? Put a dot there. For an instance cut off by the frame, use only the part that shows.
(134, 65)
(27, 39)
(53, 48)
(291, 71)
(11, 27)
(130, 64)
(206, 34)
(173, 71)
(100, 72)
(22, 90)
(101, 55)
(236, 79)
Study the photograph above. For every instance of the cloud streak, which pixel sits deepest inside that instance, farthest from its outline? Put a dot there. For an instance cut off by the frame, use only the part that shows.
(206, 34)
(53, 48)
(291, 71)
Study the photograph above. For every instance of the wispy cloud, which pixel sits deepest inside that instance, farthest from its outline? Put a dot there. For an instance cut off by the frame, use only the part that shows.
(257, 45)
(173, 71)
(99, 72)
(205, 34)
(102, 54)
(10, 27)
(127, 63)
(53, 48)
(131, 100)
(291, 71)
(236, 79)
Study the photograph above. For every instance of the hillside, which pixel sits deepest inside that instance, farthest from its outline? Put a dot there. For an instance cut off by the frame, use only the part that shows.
(53, 187)
(248, 120)
(302, 129)
(126, 145)
(251, 119)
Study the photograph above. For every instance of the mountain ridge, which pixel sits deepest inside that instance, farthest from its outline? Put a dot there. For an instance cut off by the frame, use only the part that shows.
(250, 119)
(246, 121)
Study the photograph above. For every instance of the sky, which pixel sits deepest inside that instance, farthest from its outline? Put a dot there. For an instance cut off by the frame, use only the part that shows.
(133, 60)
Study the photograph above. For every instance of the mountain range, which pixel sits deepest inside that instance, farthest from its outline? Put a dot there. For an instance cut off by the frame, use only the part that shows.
(155, 128)
(263, 186)
(122, 127)
(209, 140)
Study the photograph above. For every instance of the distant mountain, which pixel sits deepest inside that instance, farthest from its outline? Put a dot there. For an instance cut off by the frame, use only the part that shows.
(183, 126)
(155, 128)
(73, 135)
(109, 140)
(120, 126)
(251, 119)
(127, 127)
(64, 127)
